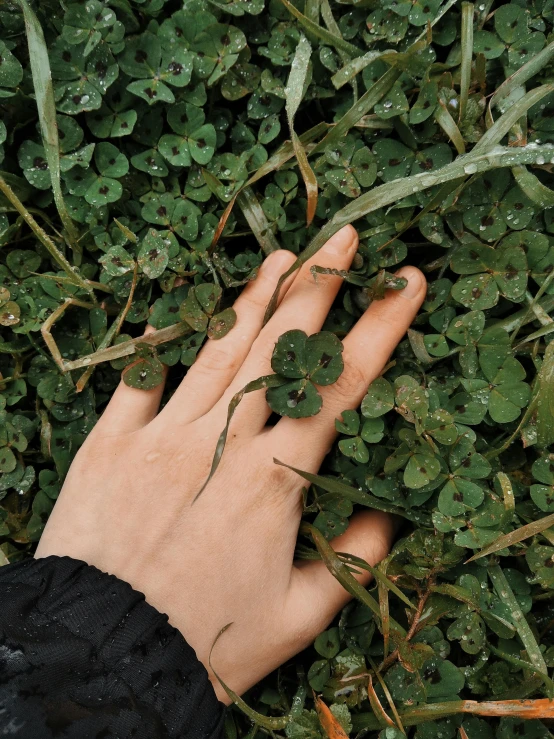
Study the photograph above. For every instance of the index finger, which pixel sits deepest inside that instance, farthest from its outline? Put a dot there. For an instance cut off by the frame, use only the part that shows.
(367, 349)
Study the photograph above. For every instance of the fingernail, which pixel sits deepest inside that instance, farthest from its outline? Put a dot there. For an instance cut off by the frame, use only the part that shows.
(342, 241)
(277, 262)
(414, 285)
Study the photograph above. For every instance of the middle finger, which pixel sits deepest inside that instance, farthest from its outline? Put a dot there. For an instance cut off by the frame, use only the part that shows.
(304, 307)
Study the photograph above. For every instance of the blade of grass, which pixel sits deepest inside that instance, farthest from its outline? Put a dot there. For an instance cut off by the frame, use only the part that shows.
(385, 615)
(340, 571)
(535, 303)
(467, 54)
(379, 576)
(336, 487)
(506, 595)
(508, 119)
(264, 721)
(259, 384)
(448, 125)
(416, 339)
(377, 708)
(283, 154)
(44, 94)
(372, 96)
(540, 194)
(514, 537)
(311, 10)
(538, 334)
(507, 491)
(45, 240)
(391, 192)
(388, 696)
(352, 68)
(333, 27)
(542, 708)
(294, 92)
(523, 74)
(254, 214)
(524, 664)
(322, 33)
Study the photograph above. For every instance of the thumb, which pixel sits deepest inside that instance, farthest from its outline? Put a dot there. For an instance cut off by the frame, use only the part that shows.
(315, 595)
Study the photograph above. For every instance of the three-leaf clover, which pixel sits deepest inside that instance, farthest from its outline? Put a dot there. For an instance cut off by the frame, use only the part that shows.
(352, 168)
(193, 139)
(154, 67)
(305, 361)
(490, 273)
(370, 431)
(81, 80)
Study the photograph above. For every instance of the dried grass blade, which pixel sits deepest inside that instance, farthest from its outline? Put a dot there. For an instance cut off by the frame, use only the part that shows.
(322, 33)
(329, 723)
(294, 92)
(467, 54)
(388, 696)
(126, 348)
(376, 706)
(254, 214)
(43, 237)
(541, 708)
(506, 595)
(44, 93)
(112, 333)
(524, 532)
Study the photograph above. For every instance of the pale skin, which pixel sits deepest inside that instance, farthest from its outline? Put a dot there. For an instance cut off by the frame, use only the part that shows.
(126, 505)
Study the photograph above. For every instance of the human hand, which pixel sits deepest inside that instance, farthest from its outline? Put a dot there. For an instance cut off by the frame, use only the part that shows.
(126, 505)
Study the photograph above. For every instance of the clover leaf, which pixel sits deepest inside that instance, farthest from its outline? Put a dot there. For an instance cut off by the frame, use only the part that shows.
(193, 139)
(217, 50)
(90, 23)
(306, 361)
(80, 80)
(155, 67)
(352, 169)
(371, 431)
(11, 71)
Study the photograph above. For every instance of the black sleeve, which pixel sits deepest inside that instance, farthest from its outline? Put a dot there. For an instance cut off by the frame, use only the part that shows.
(83, 656)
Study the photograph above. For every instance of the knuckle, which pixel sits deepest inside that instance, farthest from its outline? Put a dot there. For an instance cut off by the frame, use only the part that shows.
(256, 295)
(351, 383)
(216, 358)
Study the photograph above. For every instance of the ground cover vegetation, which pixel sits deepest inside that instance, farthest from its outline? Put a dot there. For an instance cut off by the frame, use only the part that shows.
(175, 146)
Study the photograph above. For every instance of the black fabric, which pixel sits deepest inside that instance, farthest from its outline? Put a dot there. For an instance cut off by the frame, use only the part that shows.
(83, 656)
